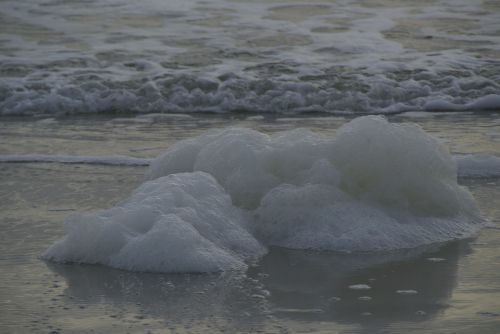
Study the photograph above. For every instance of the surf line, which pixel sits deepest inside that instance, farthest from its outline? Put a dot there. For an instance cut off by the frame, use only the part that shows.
(110, 160)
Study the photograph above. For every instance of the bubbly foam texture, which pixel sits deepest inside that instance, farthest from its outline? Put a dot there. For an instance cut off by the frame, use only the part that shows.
(478, 166)
(177, 223)
(335, 93)
(261, 56)
(215, 201)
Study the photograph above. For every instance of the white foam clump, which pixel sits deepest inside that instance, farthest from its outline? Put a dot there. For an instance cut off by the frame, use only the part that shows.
(176, 223)
(375, 186)
(359, 287)
(478, 166)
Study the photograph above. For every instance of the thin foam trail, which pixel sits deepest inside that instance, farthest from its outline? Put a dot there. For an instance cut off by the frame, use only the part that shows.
(112, 160)
(469, 165)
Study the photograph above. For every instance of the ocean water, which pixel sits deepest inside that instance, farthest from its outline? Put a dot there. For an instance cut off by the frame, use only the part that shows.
(383, 56)
(249, 166)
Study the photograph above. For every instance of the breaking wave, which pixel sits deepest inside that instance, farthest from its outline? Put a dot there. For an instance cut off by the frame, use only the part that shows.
(339, 91)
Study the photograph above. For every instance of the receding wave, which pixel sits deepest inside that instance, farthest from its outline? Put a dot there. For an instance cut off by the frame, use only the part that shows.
(217, 201)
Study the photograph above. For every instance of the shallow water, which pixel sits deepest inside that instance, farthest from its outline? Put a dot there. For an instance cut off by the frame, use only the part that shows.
(284, 292)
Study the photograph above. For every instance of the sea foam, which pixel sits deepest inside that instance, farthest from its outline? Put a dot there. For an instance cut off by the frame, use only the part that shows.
(113, 160)
(478, 166)
(178, 223)
(216, 201)
(367, 94)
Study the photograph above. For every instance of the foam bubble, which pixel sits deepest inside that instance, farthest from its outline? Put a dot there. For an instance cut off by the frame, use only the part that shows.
(407, 292)
(359, 287)
(478, 166)
(177, 223)
(365, 298)
(211, 201)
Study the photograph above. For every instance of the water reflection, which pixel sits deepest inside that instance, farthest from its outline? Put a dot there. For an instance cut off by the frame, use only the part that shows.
(314, 287)
(285, 285)
(188, 300)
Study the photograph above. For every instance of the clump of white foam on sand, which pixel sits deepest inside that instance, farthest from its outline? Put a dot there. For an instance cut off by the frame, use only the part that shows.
(215, 202)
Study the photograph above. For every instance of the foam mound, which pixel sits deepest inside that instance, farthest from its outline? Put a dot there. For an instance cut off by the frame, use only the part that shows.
(177, 223)
(215, 201)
